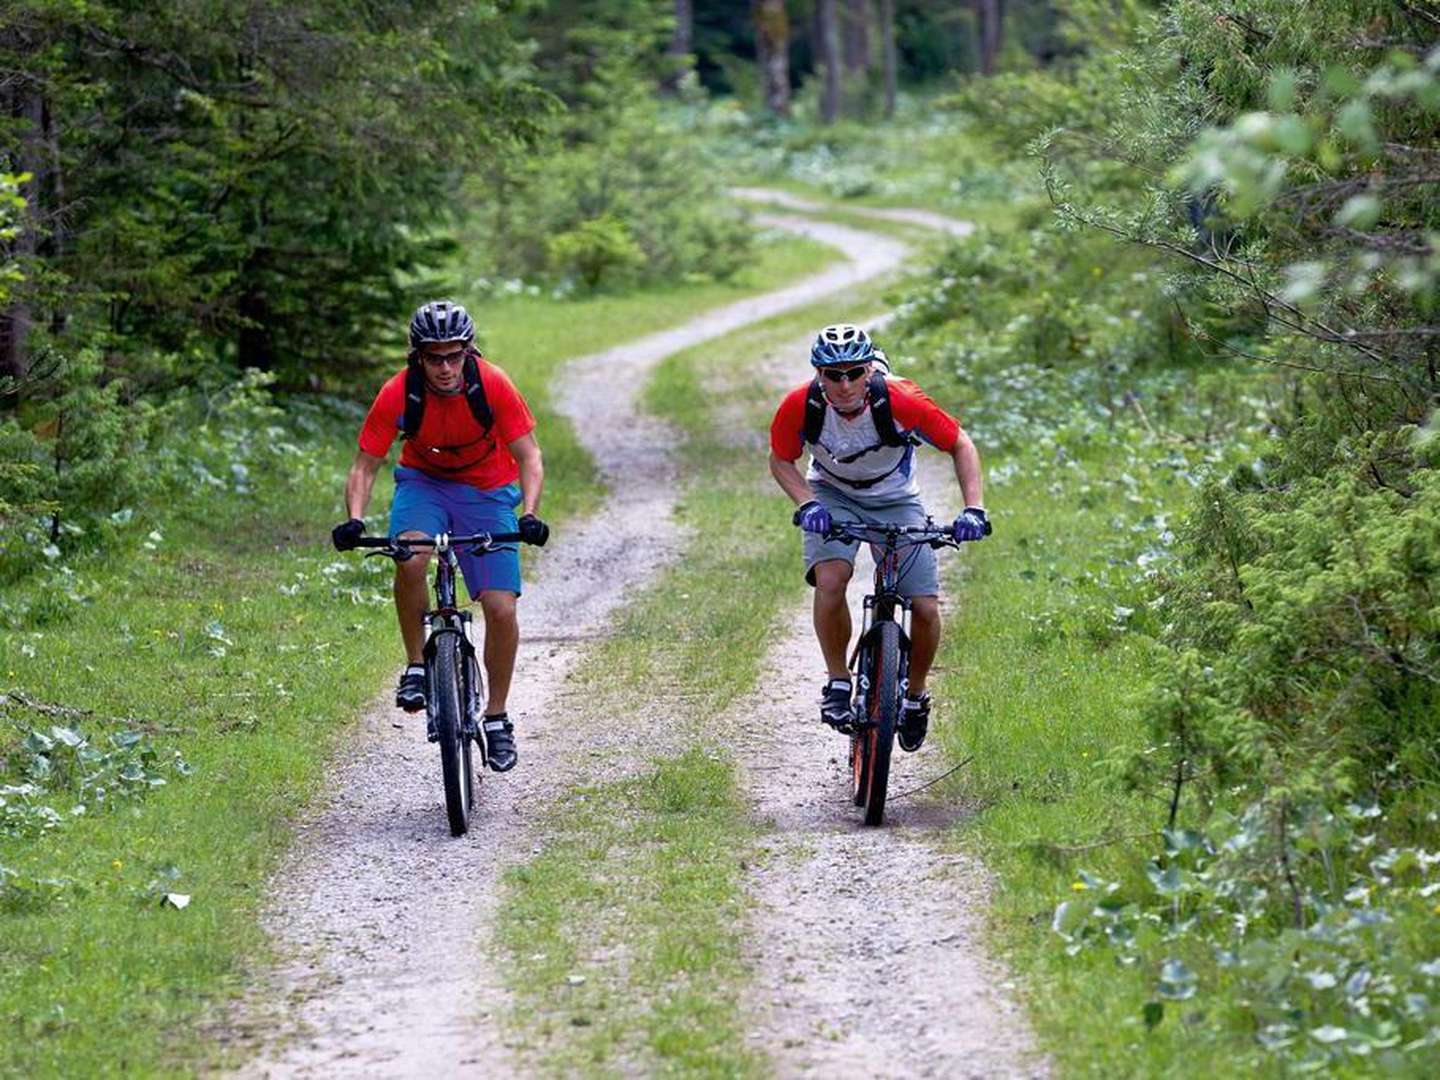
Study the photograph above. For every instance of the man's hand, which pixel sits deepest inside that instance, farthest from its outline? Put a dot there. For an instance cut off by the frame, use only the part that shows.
(344, 536)
(972, 524)
(533, 530)
(812, 517)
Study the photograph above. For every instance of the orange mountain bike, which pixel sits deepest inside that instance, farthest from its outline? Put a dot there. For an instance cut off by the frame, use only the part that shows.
(880, 662)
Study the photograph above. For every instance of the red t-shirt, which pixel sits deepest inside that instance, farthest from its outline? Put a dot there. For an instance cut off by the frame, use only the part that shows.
(451, 444)
(912, 408)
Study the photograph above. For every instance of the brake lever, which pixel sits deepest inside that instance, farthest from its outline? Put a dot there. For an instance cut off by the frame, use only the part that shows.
(399, 554)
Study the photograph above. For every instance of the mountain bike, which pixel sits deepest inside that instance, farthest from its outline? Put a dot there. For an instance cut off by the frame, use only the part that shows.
(453, 684)
(880, 661)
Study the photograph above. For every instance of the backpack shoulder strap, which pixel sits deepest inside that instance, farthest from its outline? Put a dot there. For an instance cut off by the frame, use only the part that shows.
(414, 401)
(882, 413)
(815, 406)
(475, 391)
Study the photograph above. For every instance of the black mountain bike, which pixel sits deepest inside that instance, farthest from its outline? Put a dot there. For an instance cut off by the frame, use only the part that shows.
(881, 659)
(453, 684)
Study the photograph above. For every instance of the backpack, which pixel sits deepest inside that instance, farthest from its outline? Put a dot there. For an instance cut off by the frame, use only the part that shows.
(879, 395)
(474, 397)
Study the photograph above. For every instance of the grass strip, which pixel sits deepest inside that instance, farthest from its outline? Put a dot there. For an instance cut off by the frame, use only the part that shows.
(625, 933)
(240, 641)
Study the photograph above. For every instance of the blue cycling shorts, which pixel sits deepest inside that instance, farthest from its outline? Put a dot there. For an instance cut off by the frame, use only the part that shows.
(429, 505)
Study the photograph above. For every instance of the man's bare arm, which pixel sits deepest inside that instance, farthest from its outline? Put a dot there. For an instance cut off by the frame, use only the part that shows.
(360, 481)
(967, 471)
(788, 476)
(532, 472)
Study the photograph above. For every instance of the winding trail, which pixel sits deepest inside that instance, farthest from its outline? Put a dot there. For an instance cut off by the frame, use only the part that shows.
(377, 909)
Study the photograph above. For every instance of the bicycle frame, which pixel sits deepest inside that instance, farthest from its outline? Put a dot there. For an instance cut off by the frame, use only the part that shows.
(888, 543)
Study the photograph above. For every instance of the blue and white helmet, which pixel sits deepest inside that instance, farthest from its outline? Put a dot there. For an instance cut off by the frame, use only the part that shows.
(440, 320)
(841, 344)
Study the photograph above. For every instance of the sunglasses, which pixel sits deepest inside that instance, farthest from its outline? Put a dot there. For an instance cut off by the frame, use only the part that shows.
(854, 374)
(443, 359)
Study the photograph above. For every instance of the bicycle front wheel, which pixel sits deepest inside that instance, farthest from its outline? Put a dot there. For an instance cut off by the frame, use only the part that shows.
(447, 693)
(878, 736)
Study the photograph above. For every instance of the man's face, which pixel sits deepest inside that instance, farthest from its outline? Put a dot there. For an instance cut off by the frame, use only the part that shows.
(443, 362)
(844, 385)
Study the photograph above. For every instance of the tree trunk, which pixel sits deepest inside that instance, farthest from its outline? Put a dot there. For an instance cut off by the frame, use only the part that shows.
(857, 36)
(682, 43)
(772, 51)
(989, 19)
(828, 35)
(25, 103)
(888, 58)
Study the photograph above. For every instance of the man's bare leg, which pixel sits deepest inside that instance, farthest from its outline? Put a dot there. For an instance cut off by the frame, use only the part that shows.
(924, 640)
(502, 639)
(832, 614)
(411, 599)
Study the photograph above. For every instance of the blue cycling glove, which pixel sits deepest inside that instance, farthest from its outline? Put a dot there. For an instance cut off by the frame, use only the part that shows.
(812, 517)
(972, 524)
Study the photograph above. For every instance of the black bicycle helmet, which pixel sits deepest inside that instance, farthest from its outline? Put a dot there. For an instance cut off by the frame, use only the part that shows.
(841, 344)
(440, 320)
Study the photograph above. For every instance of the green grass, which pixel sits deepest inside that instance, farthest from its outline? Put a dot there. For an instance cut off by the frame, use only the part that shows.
(102, 977)
(638, 889)
(96, 976)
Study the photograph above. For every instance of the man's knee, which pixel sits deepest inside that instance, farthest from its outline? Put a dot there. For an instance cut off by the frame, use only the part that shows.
(832, 576)
(925, 607)
(498, 606)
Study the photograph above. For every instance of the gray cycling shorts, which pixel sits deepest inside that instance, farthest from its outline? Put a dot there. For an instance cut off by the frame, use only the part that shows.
(919, 575)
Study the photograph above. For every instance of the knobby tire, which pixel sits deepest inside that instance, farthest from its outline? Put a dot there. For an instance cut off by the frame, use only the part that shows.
(879, 733)
(447, 695)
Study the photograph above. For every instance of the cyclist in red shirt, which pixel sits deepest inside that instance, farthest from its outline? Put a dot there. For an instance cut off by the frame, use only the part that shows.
(469, 457)
(861, 429)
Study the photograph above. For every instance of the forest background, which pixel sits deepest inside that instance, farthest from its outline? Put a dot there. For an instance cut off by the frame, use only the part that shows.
(1199, 314)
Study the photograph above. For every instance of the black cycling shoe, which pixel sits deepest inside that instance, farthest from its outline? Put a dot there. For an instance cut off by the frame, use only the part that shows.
(500, 742)
(914, 722)
(835, 707)
(410, 694)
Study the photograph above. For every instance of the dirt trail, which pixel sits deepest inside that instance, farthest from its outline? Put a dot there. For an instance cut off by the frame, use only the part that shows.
(377, 909)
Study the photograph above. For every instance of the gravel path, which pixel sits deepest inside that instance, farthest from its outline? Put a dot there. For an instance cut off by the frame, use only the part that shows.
(378, 909)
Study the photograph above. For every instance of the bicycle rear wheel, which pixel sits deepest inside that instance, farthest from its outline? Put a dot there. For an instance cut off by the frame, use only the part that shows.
(447, 693)
(877, 738)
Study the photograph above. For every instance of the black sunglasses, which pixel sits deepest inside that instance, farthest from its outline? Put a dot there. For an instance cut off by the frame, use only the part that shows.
(854, 374)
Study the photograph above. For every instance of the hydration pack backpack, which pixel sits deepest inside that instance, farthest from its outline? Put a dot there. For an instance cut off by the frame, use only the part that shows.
(415, 389)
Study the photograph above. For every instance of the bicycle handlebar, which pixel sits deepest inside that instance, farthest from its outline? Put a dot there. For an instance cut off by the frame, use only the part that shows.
(866, 532)
(399, 547)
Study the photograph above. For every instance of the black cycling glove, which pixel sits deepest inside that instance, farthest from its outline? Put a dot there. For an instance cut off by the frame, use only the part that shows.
(344, 536)
(533, 530)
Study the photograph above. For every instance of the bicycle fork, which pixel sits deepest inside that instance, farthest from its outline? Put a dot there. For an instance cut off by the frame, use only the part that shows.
(860, 657)
(437, 624)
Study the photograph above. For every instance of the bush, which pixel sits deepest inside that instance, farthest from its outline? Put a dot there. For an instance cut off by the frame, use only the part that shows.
(599, 248)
